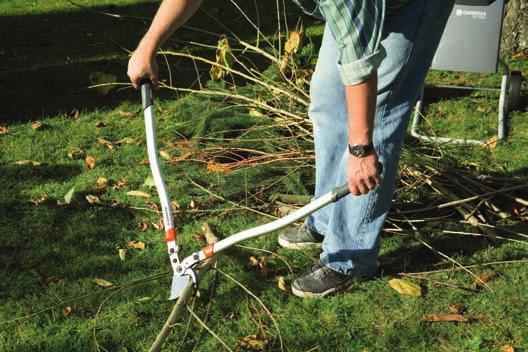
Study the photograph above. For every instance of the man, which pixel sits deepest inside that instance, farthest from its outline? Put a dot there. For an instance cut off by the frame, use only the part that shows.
(372, 62)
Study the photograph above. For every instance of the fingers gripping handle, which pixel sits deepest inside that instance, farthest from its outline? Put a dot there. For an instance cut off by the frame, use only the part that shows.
(146, 93)
(341, 191)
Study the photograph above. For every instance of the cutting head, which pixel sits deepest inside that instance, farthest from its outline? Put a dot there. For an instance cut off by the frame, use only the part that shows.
(178, 284)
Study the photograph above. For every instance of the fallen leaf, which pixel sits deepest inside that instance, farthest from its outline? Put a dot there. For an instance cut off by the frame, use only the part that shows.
(405, 287)
(193, 205)
(165, 155)
(127, 140)
(196, 235)
(281, 283)
(37, 201)
(482, 280)
(37, 125)
(122, 253)
(253, 262)
(108, 143)
(76, 153)
(481, 109)
(93, 199)
(507, 348)
(519, 55)
(27, 163)
(68, 197)
(158, 225)
(143, 226)
(90, 162)
(491, 143)
(138, 194)
(444, 317)
(67, 310)
(100, 124)
(3, 129)
(101, 183)
(209, 235)
(105, 82)
(457, 308)
(102, 282)
(153, 206)
(136, 244)
(175, 205)
(252, 342)
(119, 184)
(294, 42)
(127, 113)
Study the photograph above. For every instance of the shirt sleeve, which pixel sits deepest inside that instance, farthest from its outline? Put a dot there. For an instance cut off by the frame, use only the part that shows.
(357, 27)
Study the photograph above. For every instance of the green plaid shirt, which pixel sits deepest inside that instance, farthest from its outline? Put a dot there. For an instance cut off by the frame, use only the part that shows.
(356, 25)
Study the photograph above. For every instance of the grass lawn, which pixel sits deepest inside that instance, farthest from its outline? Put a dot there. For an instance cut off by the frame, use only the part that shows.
(51, 250)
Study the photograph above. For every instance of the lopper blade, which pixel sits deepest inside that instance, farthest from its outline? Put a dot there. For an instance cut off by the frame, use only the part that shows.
(178, 284)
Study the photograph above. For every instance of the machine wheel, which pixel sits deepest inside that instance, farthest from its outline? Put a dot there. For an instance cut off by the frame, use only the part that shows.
(515, 99)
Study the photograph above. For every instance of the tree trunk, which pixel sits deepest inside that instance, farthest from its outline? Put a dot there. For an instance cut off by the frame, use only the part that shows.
(515, 28)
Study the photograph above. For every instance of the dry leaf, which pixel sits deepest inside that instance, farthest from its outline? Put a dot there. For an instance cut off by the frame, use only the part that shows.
(253, 262)
(136, 244)
(175, 205)
(122, 253)
(520, 55)
(197, 236)
(294, 42)
(76, 153)
(153, 206)
(108, 143)
(37, 125)
(507, 348)
(281, 284)
(143, 226)
(93, 199)
(481, 109)
(457, 308)
(27, 163)
(252, 342)
(444, 317)
(138, 194)
(127, 140)
(491, 143)
(165, 155)
(209, 235)
(90, 162)
(481, 281)
(3, 129)
(119, 184)
(127, 113)
(67, 310)
(158, 225)
(224, 57)
(37, 201)
(101, 183)
(193, 205)
(102, 282)
(405, 287)
(103, 81)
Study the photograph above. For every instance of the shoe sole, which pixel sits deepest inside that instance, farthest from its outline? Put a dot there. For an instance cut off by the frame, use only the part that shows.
(299, 245)
(304, 294)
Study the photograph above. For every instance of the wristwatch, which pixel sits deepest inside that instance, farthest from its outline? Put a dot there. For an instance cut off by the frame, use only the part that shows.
(361, 150)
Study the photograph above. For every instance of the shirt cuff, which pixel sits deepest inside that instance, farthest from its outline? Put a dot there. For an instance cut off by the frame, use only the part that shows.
(358, 71)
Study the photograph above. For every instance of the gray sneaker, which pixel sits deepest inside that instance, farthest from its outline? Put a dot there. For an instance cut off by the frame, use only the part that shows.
(302, 237)
(320, 281)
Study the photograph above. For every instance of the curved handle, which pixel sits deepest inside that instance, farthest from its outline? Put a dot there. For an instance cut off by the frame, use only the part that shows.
(341, 191)
(146, 92)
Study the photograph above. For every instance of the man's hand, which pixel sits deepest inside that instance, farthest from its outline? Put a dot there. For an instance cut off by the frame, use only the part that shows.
(363, 174)
(143, 65)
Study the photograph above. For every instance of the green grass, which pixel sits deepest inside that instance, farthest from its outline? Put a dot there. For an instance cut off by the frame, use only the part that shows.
(76, 242)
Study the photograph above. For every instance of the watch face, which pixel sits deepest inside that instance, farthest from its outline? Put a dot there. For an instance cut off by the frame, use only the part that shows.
(359, 150)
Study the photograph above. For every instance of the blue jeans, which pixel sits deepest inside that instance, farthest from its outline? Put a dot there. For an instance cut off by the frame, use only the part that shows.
(352, 225)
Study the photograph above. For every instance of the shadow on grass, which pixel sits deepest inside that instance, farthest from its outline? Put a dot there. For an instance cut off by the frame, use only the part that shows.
(46, 59)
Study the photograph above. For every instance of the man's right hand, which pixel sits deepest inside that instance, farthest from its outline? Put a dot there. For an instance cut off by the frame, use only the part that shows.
(143, 65)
